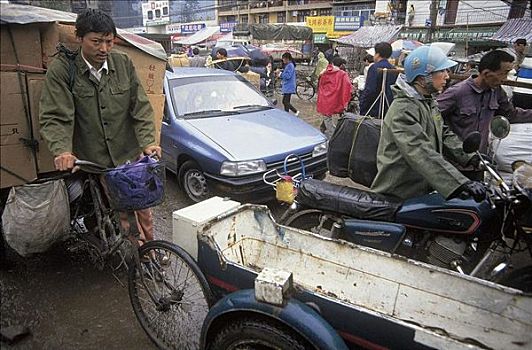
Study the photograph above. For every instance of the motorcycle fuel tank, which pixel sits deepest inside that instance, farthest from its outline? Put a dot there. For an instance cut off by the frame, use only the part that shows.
(456, 216)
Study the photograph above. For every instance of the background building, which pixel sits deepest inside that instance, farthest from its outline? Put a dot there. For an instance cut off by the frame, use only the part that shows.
(271, 11)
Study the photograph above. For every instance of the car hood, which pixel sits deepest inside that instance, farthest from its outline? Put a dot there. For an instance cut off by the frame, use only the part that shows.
(258, 135)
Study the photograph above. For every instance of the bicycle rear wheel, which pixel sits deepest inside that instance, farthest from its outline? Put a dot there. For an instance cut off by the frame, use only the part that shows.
(181, 292)
(305, 90)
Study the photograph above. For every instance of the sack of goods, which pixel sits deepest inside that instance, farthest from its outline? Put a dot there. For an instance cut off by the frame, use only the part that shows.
(353, 148)
(36, 216)
(136, 185)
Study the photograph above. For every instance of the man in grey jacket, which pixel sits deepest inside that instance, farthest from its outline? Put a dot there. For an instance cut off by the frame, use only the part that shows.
(196, 60)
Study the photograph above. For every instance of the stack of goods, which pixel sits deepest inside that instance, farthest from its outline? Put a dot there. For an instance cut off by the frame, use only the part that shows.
(26, 50)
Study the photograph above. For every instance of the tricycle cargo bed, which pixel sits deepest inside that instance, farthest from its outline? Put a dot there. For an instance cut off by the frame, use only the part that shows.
(431, 302)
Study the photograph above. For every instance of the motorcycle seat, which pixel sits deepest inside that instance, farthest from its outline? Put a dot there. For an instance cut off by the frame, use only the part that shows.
(345, 200)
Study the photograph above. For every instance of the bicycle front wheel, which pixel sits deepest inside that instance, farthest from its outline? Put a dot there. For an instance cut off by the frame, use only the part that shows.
(172, 298)
(305, 90)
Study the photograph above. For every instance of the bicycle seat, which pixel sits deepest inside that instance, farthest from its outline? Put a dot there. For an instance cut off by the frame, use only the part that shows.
(345, 200)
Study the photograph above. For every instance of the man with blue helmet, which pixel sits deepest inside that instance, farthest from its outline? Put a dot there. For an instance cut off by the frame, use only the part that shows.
(414, 140)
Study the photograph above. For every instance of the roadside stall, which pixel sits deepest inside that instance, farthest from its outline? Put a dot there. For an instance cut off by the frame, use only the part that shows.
(29, 39)
(275, 39)
(353, 47)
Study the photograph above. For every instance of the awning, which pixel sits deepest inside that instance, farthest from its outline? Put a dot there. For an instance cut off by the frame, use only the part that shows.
(25, 14)
(199, 36)
(420, 34)
(471, 34)
(515, 28)
(370, 35)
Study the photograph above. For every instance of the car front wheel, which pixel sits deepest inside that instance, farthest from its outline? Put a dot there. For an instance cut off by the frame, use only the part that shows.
(193, 181)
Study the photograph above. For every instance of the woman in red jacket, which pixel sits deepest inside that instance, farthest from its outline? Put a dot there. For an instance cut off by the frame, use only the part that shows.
(334, 94)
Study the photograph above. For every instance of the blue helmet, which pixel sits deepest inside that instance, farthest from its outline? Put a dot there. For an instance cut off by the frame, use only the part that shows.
(426, 60)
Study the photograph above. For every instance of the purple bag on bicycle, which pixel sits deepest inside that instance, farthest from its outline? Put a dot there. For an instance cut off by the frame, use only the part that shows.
(136, 185)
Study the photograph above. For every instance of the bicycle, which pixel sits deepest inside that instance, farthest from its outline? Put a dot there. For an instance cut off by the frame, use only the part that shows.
(169, 295)
(306, 89)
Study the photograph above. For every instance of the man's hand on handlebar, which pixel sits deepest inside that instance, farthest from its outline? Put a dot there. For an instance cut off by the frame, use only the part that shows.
(474, 189)
(65, 161)
(153, 150)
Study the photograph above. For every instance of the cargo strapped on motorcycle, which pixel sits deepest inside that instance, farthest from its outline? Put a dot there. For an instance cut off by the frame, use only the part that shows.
(353, 148)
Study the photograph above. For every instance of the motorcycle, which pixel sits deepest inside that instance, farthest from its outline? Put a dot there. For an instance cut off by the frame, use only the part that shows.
(491, 240)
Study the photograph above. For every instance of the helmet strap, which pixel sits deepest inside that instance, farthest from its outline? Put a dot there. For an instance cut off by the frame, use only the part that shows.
(429, 85)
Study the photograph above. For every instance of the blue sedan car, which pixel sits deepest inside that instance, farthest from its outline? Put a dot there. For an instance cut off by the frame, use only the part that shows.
(220, 135)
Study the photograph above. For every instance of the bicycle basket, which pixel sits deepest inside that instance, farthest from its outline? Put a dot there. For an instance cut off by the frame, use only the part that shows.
(136, 186)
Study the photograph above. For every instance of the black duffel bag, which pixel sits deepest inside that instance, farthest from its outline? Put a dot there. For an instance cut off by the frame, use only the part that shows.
(353, 148)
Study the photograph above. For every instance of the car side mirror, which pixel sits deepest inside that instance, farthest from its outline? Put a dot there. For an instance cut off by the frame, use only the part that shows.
(472, 142)
(274, 101)
(500, 127)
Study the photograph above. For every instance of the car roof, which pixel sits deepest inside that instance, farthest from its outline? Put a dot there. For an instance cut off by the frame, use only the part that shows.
(187, 72)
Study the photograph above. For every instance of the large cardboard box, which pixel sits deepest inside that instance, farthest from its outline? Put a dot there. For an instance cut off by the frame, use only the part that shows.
(45, 159)
(27, 41)
(54, 33)
(157, 103)
(17, 159)
(150, 70)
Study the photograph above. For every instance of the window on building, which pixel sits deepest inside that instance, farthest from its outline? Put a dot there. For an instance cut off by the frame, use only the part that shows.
(264, 18)
(150, 15)
(165, 11)
(244, 19)
(281, 17)
(325, 12)
(302, 15)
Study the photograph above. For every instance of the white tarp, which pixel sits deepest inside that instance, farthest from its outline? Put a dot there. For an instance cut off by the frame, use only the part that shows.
(370, 35)
(199, 36)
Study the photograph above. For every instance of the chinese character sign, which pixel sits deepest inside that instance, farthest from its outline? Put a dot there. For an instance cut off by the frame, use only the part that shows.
(321, 24)
(192, 28)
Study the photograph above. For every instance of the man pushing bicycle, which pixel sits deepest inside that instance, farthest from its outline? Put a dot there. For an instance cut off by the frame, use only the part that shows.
(94, 108)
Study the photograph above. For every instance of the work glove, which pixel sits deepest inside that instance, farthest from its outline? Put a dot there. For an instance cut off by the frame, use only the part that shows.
(473, 189)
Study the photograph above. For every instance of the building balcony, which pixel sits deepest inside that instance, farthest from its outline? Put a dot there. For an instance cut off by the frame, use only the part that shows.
(275, 6)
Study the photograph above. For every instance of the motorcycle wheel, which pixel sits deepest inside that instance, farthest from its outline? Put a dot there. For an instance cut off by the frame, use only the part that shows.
(315, 221)
(255, 333)
(519, 279)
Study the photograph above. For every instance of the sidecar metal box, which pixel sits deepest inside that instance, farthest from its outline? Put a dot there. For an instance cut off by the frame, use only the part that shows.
(189, 221)
(366, 295)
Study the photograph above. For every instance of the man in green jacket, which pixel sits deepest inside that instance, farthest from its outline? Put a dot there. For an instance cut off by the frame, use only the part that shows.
(94, 107)
(414, 140)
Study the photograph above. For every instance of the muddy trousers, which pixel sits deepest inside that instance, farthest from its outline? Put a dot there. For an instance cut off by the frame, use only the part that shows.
(286, 103)
(144, 223)
(143, 217)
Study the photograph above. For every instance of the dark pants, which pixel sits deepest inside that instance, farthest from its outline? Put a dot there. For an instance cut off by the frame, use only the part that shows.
(286, 103)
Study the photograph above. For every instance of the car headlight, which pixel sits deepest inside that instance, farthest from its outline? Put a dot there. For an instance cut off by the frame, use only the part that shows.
(242, 168)
(320, 149)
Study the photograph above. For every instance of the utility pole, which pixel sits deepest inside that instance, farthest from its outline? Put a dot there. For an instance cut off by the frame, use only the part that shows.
(434, 6)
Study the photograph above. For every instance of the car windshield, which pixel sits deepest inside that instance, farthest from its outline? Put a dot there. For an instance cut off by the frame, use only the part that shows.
(201, 97)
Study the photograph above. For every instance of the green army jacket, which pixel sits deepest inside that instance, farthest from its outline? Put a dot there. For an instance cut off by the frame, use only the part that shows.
(413, 139)
(107, 122)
